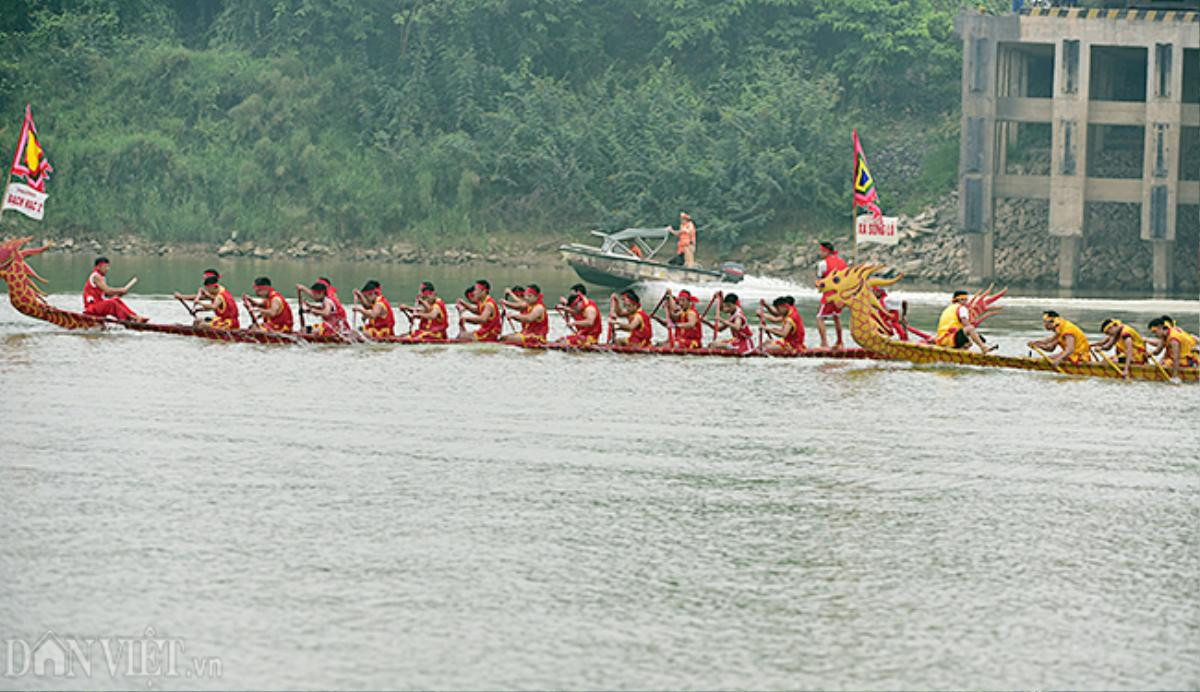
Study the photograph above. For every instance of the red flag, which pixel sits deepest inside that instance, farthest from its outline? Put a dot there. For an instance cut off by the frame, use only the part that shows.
(864, 185)
(29, 161)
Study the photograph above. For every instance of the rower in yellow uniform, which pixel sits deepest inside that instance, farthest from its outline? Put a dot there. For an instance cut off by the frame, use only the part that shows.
(1130, 347)
(955, 329)
(1179, 348)
(1066, 344)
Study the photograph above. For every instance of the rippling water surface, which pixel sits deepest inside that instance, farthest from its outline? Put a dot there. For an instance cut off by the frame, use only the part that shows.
(478, 516)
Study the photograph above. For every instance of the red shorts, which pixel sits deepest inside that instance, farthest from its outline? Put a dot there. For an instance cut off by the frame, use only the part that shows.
(827, 310)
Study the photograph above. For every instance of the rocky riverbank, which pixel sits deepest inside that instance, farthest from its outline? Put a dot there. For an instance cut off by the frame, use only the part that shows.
(932, 250)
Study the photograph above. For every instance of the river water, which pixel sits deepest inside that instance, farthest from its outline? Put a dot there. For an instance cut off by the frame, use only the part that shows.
(477, 516)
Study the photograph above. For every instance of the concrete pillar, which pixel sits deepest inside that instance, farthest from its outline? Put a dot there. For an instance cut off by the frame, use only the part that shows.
(1069, 152)
(1068, 260)
(1162, 276)
(981, 254)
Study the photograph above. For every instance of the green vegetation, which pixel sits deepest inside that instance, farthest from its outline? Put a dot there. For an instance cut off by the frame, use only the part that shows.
(447, 120)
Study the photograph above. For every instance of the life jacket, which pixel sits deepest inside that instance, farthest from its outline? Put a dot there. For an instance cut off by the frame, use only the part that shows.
(644, 332)
(91, 292)
(796, 338)
(948, 325)
(690, 337)
(437, 324)
(1139, 344)
(385, 324)
(832, 263)
(228, 311)
(687, 236)
(491, 328)
(592, 330)
(1082, 352)
(539, 327)
(1187, 345)
(281, 322)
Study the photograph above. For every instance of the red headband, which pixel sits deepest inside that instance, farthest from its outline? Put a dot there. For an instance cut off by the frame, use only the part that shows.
(479, 286)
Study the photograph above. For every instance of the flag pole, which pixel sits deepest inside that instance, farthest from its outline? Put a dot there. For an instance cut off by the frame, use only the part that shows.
(854, 226)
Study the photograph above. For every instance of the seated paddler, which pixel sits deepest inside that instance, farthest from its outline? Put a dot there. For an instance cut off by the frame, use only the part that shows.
(689, 330)
(333, 321)
(430, 313)
(103, 300)
(789, 335)
(268, 308)
(731, 318)
(955, 329)
(1066, 343)
(1127, 344)
(632, 320)
(379, 322)
(480, 309)
(529, 310)
(584, 319)
(1177, 346)
(214, 298)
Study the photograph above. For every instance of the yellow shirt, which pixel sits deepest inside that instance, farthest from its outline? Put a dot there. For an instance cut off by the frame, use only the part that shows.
(949, 323)
(1082, 352)
(1187, 344)
(1139, 344)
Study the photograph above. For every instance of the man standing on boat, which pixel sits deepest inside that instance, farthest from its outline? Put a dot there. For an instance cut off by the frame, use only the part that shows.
(273, 312)
(635, 321)
(379, 320)
(481, 309)
(830, 262)
(531, 313)
(217, 299)
(955, 329)
(1068, 342)
(102, 300)
(685, 249)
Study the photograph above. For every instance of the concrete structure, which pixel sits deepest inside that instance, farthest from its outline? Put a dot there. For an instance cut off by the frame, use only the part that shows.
(1113, 95)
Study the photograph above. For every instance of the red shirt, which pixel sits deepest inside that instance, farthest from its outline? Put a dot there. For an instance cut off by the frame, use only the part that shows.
(593, 329)
(387, 323)
(690, 337)
(439, 323)
(281, 322)
(644, 332)
(229, 309)
(832, 263)
(796, 338)
(491, 328)
(539, 327)
(91, 292)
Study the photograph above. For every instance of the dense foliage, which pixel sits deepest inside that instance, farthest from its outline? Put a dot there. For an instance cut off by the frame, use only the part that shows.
(450, 119)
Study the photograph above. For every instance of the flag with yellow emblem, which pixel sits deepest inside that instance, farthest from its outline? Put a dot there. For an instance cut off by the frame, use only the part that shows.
(30, 164)
(864, 184)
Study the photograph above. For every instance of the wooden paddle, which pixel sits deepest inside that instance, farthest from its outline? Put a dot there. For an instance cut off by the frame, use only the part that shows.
(1104, 356)
(1150, 357)
(250, 309)
(1047, 359)
(191, 310)
(300, 308)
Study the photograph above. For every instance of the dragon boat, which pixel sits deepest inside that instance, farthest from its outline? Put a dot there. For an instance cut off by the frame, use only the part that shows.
(28, 298)
(852, 287)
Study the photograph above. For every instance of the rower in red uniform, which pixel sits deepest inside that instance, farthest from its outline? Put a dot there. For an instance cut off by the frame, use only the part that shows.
(585, 320)
(891, 315)
(636, 322)
(533, 316)
(830, 262)
(380, 321)
(430, 313)
(102, 300)
(689, 330)
(481, 309)
(333, 322)
(273, 312)
(214, 298)
(330, 293)
(790, 332)
(194, 297)
(740, 339)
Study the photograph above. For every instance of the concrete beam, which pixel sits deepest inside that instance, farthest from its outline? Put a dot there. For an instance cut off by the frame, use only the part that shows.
(1026, 110)
(981, 256)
